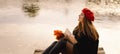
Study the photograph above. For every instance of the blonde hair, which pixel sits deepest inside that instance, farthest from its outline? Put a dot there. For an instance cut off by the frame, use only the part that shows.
(87, 28)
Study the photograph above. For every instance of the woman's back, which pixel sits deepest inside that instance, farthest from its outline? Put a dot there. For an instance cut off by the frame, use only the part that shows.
(85, 45)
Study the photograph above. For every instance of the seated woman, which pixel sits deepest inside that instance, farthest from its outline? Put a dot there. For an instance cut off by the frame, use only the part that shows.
(85, 33)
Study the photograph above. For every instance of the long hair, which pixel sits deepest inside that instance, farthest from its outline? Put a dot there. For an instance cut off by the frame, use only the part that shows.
(87, 28)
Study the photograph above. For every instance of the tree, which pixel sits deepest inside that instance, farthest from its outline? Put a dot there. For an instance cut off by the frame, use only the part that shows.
(31, 8)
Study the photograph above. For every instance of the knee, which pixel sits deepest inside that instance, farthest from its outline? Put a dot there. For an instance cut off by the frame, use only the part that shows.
(62, 42)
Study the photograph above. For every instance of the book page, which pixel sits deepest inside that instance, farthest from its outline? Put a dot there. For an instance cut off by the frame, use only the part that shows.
(70, 36)
(67, 32)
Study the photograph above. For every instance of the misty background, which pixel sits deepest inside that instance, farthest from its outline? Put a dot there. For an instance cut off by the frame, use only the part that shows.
(26, 25)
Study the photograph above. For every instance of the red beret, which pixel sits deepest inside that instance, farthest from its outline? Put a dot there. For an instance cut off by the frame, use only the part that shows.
(89, 14)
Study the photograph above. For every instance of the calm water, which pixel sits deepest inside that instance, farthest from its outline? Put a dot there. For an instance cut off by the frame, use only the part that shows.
(21, 34)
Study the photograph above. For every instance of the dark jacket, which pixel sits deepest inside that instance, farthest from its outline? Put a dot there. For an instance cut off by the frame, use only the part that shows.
(85, 45)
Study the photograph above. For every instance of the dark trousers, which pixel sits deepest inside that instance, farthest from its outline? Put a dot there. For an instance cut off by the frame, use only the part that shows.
(56, 47)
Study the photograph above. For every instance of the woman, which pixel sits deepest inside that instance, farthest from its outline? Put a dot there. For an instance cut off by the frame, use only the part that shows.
(85, 34)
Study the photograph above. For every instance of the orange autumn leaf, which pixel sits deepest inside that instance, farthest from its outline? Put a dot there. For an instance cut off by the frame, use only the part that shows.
(58, 33)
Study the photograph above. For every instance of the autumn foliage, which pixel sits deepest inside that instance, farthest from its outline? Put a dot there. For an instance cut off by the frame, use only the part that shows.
(59, 34)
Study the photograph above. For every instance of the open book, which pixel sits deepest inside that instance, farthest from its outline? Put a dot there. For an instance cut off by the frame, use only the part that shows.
(70, 36)
(67, 32)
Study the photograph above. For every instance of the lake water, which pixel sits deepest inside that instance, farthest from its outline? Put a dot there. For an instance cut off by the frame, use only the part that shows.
(21, 34)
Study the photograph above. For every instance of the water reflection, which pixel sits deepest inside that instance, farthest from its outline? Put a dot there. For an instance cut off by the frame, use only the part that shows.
(31, 7)
(95, 1)
(26, 35)
(105, 7)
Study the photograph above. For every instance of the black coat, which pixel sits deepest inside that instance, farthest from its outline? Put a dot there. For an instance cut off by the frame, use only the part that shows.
(85, 45)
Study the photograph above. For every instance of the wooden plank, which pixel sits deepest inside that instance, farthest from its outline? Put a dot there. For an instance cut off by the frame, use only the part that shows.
(100, 51)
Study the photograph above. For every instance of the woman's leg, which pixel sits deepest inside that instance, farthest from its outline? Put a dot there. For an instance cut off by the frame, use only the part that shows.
(49, 48)
(59, 47)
